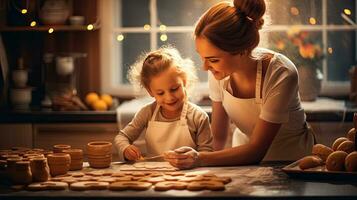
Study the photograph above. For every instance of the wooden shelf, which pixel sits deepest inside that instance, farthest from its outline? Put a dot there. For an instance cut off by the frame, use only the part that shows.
(45, 28)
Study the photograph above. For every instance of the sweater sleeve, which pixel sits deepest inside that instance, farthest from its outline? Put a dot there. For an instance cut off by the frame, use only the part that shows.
(133, 130)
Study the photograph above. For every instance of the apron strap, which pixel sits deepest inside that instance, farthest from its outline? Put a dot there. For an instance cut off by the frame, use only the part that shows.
(155, 112)
(182, 117)
(258, 82)
(183, 113)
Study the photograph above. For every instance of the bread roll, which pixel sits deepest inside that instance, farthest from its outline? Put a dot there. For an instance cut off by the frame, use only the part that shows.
(351, 135)
(337, 142)
(346, 146)
(310, 162)
(321, 151)
(351, 162)
(336, 161)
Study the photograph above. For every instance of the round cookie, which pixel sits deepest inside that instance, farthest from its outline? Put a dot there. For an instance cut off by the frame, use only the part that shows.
(89, 185)
(223, 179)
(337, 142)
(205, 185)
(123, 178)
(48, 185)
(321, 151)
(351, 162)
(346, 146)
(175, 173)
(170, 185)
(153, 180)
(310, 162)
(129, 185)
(107, 179)
(336, 161)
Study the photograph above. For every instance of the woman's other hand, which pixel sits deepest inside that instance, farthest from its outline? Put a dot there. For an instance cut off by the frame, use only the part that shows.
(132, 153)
(182, 158)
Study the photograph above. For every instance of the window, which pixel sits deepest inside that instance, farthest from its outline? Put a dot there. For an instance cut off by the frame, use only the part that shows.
(130, 27)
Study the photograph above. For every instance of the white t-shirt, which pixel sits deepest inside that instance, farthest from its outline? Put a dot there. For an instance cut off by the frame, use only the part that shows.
(280, 103)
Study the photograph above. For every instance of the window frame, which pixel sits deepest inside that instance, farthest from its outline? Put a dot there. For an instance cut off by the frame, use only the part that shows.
(111, 76)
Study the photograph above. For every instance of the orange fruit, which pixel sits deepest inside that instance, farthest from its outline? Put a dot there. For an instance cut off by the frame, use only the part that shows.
(91, 97)
(99, 105)
(107, 99)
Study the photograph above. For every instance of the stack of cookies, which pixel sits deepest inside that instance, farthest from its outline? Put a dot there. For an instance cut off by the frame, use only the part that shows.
(59, 163)
(39, 169)
(99, 154)
(58, 148)
(76, 158)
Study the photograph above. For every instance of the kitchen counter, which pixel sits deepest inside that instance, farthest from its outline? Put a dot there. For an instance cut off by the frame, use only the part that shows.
(265, 181)
(323, 109)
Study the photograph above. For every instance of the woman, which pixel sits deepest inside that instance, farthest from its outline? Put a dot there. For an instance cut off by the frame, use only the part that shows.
(255, 88)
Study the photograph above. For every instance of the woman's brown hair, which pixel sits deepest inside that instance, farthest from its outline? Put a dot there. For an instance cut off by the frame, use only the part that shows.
(233, 27)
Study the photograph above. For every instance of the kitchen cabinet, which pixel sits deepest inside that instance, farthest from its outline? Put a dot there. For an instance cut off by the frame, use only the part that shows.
(31, 43)
(15, 135)
(75, 134)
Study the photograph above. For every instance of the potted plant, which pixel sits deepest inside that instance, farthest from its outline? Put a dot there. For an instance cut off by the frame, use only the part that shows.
(304, 49)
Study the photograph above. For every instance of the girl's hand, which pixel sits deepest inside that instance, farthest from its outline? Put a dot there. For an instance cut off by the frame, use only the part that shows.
(132, 153)
(182, 158)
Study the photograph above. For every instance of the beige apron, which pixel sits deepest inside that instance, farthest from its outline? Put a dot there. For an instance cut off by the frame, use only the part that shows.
(164, 136)
(292, 142)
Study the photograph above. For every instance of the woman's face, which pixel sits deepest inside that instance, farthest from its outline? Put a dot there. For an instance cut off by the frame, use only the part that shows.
(219, 62)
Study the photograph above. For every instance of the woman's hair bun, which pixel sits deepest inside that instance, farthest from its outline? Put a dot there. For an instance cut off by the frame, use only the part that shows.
(253, 9)
(259, 23)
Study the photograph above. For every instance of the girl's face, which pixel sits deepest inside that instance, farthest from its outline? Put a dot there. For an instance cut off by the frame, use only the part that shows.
(219, 62)
(168, 89)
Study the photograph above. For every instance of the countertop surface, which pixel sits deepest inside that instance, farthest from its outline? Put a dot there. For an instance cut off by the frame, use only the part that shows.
(323, 109)
(266, 181)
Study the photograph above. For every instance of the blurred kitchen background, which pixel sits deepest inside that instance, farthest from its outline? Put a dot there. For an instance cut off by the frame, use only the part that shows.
(60, 58)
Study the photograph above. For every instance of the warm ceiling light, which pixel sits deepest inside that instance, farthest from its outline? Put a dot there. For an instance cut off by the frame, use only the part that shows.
(162, 28)
(347, 11)
(50, 30)
(147, 27)
(90, 27)
(120, 37)
(163, 37)
(312, 20)
(23, 11)
(33, 23)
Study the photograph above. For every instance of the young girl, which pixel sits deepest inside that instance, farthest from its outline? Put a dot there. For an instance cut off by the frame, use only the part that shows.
(170, 121)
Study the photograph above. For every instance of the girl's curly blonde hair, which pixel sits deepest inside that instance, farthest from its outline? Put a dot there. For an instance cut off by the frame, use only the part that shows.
(153, 63)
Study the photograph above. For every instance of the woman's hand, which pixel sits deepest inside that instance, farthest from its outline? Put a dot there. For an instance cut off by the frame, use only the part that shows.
(182, 158)
(132, 153)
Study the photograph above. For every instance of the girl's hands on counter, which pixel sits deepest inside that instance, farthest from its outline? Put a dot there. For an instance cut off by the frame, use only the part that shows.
(183, 157)
(132, 153)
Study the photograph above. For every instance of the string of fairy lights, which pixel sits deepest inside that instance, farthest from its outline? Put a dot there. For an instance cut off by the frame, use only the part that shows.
(163, 36)
(293, 10)
(51, 29)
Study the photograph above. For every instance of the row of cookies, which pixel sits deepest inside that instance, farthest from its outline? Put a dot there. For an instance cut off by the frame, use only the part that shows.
(118, 181)
(341, 156)
(128, 185)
